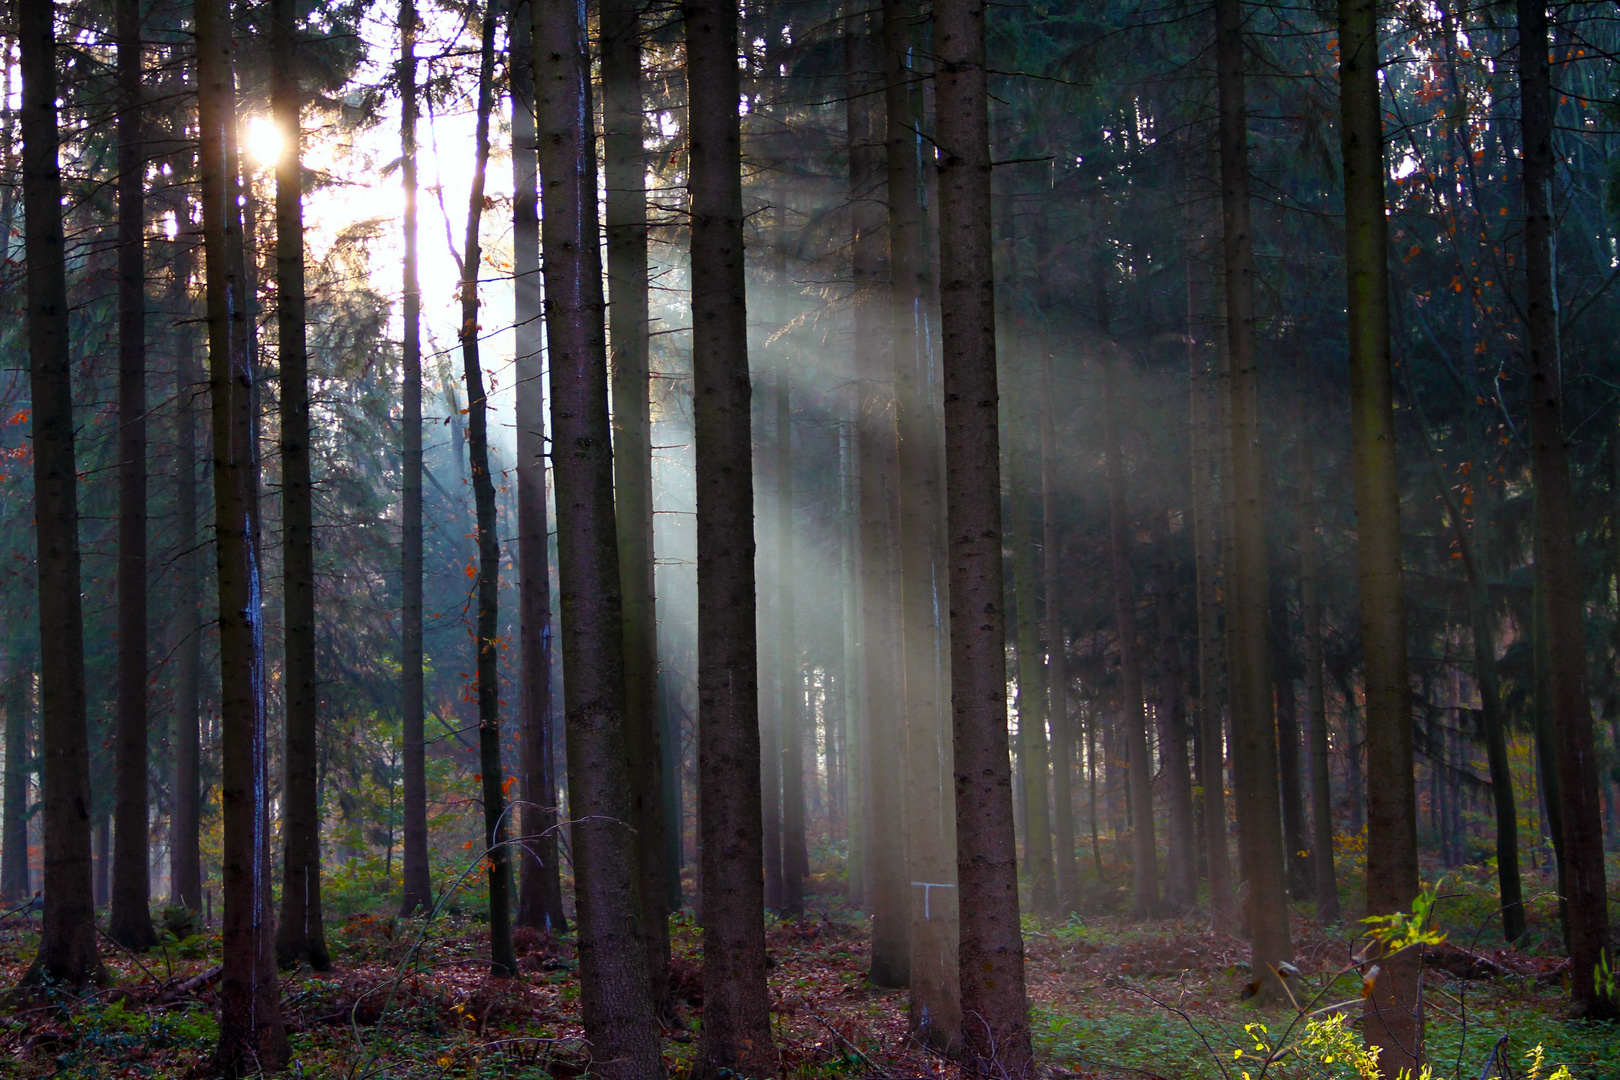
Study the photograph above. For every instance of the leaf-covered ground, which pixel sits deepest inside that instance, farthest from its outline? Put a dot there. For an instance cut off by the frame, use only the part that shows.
(1111, 998)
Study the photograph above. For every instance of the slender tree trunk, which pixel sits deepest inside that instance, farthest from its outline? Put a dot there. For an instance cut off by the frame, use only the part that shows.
(1181, 870)
(795, 859)
(1205, 501)
(1144, 850)
(736, 1004)
(1296, 847)
(130, 921)
(503, 961)
(300, 936)
(770, 720)
(877, 452)
(931, 826)
(1032, 693)
(1393, 1021)
(1259, 812)
(856, 831)
(624, 156)
(540, 902)
(1057, 678)
(14, 884)
(67, 945)
(185, 816)
(1583, 884)
(1310, 607)
(418, 891)
(995, 1011)
(251, 1037)
(616, 997)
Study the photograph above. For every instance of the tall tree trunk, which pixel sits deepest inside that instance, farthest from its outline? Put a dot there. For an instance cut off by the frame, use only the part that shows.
(67, 944)
(185, 817)
(1181, 869)
(502, 960)
(1206, 556)
(609, 875)
(770, 721)
(1493, 724)
(1057, 678)
(1393, 1021)
(130, 921)
(995, 1011)
(540, 902)
(300, 936)
(936, 1008)
(1325, 881)
(418, 891)
(795, 860)
(624, 156)
(1296, 847)
(1583, 884)
(1259, 812)
(251, 1036)
(1144, 850)
(877, 452)
(736, 1004)
(14, 884)
(1031, 744)
(856, 819)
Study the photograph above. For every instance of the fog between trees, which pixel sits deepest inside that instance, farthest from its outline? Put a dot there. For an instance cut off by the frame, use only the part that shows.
(965, 469)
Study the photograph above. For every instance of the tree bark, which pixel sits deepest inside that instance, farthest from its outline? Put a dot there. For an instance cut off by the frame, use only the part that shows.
(995, 1011)
(418, 886)
(736, 1004)
(1325, 881)
(67, 945)
(609, 872)
(251, 1036)
(502, 960)
(1181, 868)
(1057, 678)
(540, 901)
(624, 156)
(1031, 745)
(14, 883)
(1393, 1021)
(185, 815)
(936, 1009)
(877, 453)
(1259, 812)
(1296, 848)
(1144, 850)
(1581, 862)
(300, 935)
(1205, 500)
(795, 860)
(130, 920)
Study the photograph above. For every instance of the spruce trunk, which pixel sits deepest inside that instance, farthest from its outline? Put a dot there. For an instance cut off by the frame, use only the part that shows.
(130, 921)
(736, 1004)
(486, 641)
(615, 997)
(67, 944)
(300, 935)
(418, 891)
(540, 901)
(251, 1036)
(624, 159)
(995, 1011)
(1393, 1020)
(1581, 859)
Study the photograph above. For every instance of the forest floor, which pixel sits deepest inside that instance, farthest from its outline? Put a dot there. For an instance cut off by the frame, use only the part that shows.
(1112, 998)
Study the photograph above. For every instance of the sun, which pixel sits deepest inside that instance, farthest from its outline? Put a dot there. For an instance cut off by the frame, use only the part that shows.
(263, 140)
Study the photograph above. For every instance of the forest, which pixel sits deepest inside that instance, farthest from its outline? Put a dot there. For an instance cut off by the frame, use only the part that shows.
(830, 540)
